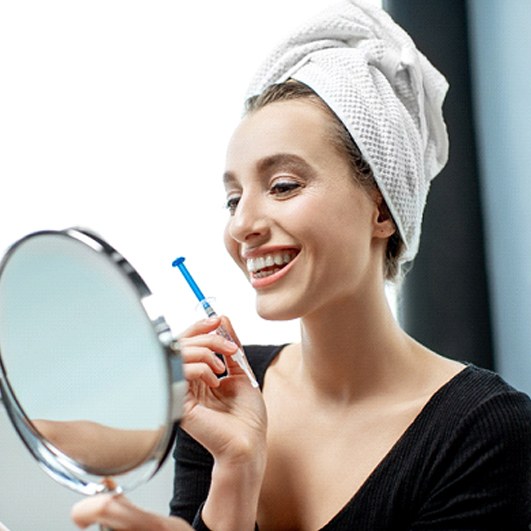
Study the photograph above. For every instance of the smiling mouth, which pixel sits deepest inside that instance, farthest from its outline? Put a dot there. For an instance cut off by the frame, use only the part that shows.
(269, 264)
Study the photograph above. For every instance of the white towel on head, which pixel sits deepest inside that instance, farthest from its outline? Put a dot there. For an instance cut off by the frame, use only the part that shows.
(388, 95)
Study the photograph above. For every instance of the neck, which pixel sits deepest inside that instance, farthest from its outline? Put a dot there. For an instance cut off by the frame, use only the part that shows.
(352, 348)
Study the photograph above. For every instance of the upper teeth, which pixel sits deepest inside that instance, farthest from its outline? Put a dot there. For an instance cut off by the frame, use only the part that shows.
(268, 260)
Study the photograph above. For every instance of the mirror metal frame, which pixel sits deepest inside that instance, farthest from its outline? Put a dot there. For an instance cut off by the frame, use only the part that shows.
(59, 465)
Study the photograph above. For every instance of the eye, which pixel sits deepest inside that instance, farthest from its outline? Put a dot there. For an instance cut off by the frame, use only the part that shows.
(232, 203)
(284, 188)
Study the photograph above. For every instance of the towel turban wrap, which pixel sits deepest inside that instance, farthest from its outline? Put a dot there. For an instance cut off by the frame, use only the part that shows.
(387, 94)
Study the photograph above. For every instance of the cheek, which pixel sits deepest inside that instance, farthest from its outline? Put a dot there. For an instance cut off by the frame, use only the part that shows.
(324, 220)
(339, 235)
(230, 244)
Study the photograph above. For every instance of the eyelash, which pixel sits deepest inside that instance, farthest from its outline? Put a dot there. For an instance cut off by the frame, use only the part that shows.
(279, 189)
(285, 187)
(231, 204)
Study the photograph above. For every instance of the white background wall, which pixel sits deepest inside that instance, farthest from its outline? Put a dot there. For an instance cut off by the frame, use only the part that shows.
(114, 115)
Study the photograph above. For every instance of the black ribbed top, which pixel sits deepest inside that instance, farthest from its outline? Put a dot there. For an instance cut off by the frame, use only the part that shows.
(463, 464)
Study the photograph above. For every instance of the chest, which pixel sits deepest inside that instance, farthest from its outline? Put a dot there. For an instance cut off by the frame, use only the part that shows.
(318, 460)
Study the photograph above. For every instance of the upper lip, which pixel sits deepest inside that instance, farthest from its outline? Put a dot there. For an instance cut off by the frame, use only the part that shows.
(263, 251)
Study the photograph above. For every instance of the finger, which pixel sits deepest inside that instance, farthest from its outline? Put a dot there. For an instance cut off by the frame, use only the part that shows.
(117, 512)
(196, 336)
(215, 342)
(106, 509)
(200, 371)
(203, 355)
(204, 326)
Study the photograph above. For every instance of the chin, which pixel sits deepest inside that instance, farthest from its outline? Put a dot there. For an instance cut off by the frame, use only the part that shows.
(274, 310)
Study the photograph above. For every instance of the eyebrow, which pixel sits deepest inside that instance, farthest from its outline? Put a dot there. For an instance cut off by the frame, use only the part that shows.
(273, 162)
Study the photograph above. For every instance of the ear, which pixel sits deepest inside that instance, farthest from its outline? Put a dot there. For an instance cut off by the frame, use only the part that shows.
(383, 226)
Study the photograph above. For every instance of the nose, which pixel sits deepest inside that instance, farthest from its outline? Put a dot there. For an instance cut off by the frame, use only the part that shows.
(249, 223)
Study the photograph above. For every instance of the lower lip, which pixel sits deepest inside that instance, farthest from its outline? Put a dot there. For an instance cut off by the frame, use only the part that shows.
(260, 283)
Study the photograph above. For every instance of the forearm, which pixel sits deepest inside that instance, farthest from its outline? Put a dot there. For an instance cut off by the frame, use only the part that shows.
(233, 497)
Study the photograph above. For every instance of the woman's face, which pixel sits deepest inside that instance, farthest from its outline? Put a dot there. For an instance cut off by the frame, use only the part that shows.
(303, 232)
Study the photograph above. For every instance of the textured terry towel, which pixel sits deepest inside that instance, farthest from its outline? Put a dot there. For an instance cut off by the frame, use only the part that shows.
(388, 95)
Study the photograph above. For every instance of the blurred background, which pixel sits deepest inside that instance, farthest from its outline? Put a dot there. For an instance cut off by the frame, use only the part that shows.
(115, 115)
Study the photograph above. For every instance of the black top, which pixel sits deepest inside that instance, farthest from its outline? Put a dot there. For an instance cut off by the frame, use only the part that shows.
(463, 464)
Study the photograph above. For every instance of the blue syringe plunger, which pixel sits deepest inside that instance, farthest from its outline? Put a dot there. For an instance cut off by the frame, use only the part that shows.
(179, 262)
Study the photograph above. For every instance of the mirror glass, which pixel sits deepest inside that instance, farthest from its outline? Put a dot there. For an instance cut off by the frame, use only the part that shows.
(90, 375)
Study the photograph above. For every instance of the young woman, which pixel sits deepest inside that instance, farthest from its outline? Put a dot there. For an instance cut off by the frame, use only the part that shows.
(357, 426)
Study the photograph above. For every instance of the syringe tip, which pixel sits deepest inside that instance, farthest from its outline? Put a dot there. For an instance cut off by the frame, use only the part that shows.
(178, 261)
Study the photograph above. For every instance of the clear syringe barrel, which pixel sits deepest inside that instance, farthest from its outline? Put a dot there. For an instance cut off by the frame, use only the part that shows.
(238, 356)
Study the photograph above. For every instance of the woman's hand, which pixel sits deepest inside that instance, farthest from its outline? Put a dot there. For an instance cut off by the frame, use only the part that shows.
(225, 415)
(117, 512)
(228, 417)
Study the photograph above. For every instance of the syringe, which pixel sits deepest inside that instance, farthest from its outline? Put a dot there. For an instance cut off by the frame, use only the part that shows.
(238, 356)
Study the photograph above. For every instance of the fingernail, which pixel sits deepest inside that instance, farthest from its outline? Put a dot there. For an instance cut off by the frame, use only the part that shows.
(230, 345)
(219, 364)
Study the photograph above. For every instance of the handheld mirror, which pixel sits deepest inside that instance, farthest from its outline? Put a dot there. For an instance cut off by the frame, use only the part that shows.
(90, 374)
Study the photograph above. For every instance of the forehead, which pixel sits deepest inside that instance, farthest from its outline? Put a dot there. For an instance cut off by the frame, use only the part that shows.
(294, 127)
